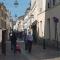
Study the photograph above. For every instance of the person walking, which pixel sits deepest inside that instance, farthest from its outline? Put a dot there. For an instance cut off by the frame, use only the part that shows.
(30, 40)
(25, 40)
(14, 41)
(11, 38)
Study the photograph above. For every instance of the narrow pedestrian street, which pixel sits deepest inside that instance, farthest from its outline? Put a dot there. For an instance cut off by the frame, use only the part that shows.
(33, 26)
(38, 53)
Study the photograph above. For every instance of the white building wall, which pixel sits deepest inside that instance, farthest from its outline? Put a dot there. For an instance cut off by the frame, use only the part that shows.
(54, 12)
(40, 16)
(43, 15)
(16, 25)
(41, 23)
(27, 22)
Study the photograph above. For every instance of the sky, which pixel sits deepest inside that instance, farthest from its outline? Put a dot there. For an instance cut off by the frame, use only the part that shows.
(19, 10)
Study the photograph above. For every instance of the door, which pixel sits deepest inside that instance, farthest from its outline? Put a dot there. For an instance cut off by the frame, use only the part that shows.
(4, 42)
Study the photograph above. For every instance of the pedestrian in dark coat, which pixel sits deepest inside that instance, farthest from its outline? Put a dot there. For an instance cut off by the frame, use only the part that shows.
(14, 42)
(11, 39)
(30, 40)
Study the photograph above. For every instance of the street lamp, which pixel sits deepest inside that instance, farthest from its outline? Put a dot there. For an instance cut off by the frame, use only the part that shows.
(56, 20)
(16, 3)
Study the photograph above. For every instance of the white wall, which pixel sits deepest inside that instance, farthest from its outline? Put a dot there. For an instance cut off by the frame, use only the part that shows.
(50, 14)
(41, 17)
(32, 3)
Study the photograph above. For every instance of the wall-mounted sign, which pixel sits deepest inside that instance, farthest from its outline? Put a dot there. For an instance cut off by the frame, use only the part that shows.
(56, 20)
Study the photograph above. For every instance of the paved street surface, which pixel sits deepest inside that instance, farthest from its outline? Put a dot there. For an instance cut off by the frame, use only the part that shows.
(37, 53)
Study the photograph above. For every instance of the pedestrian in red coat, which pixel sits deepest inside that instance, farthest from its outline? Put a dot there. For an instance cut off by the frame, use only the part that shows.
(18, 48)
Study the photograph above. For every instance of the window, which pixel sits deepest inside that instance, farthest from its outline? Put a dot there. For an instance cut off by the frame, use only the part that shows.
(54, 2)
(48, 5)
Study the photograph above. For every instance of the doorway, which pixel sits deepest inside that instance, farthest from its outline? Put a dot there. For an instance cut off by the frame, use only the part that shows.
(4, 42)
(34, 29)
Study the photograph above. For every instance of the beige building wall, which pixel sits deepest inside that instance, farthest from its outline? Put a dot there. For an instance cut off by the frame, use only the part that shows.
(43, 19)
(20, 26)
(8, 27)
(20, 23)
(38, 12)
(3, 26)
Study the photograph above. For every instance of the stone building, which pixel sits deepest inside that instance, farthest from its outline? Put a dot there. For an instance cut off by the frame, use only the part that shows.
(3, 27)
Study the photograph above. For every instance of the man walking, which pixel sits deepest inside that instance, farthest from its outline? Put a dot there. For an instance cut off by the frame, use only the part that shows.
(30, 40)
(14, 41)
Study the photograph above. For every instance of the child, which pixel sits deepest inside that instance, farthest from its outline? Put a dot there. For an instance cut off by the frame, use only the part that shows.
(18, 48)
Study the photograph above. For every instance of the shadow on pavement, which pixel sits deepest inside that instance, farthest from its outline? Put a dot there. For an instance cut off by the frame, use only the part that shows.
(48, 53)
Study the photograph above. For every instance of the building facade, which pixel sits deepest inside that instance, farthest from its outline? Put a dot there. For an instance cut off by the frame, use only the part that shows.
(26, 23)
(3, 27)
(44, 17)
(20, 24)
(52, 22)
(8, 23)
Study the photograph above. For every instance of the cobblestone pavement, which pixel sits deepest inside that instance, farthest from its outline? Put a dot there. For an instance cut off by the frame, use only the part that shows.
(38, 53)
(10, 55)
